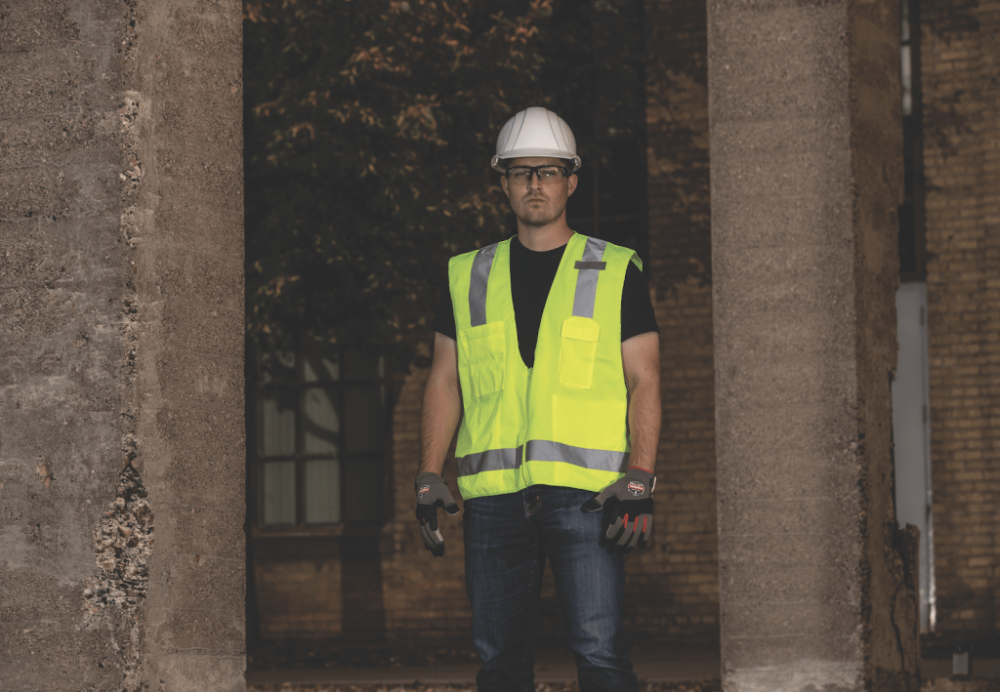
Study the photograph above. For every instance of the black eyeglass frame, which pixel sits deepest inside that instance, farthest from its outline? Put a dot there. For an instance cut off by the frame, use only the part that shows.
(535, 171)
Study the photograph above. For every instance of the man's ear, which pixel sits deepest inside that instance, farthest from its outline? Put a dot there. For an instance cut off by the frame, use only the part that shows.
(503, 184)
(573, 180)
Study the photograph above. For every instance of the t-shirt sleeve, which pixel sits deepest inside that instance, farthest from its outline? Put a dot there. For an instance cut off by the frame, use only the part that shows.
(444, 320)
(637, 309)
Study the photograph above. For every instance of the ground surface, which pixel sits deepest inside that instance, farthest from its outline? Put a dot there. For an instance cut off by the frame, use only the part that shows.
(696, 686)
(332, 654)
(319, 653)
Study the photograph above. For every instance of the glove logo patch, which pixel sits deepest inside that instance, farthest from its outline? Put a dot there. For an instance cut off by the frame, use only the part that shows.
(636, 488)
(423, 490)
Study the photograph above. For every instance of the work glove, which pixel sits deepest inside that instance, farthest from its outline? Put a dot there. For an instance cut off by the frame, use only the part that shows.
(432, 492)
(628, 510)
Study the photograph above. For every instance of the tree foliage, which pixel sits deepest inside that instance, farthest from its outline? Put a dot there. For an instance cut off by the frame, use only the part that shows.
(369, 130)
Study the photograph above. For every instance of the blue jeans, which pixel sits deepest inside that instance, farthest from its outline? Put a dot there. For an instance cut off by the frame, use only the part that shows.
(507, 540)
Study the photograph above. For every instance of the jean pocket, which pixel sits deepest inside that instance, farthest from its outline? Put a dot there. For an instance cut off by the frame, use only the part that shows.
(577, 352)
(485, 349)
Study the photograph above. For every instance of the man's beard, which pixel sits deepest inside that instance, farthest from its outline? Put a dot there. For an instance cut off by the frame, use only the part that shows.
(538, 217)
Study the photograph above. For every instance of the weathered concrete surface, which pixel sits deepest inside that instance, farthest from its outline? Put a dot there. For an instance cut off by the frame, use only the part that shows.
(188, 255)
(806, 175)
(121, 405)
(61, 349)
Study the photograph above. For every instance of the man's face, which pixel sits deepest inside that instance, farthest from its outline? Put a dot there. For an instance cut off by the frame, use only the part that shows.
(536, 202)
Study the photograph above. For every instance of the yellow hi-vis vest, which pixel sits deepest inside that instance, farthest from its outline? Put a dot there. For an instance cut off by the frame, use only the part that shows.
(562, 422)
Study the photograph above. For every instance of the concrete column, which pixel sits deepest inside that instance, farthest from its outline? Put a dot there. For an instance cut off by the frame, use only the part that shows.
(61, 352)
(806, 176)
(185, 224)
(121, 346)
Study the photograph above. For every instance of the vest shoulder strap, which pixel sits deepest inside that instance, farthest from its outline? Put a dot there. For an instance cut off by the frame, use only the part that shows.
(473, 267)
(596, 255)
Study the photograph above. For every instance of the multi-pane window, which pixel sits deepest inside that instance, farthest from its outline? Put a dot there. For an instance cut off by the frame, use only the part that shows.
(319, 456)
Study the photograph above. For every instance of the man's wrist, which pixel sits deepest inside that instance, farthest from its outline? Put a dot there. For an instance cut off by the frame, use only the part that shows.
(426, 467)
(636, 467)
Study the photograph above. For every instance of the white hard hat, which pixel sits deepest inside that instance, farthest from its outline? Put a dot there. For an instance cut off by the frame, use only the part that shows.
(535, 132)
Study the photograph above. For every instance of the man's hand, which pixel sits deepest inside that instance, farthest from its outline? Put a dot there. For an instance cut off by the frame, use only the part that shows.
(432, 492)
(628, 510)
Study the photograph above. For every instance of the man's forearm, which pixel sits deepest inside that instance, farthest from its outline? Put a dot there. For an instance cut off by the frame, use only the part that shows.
(641, 362)
(644, 424)
(439, 417)
(438, 420)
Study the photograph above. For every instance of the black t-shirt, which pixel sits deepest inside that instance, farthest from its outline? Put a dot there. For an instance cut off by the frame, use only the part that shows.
(531, 276)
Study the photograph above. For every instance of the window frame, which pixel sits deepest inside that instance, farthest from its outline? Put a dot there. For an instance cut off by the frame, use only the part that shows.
(256, 460)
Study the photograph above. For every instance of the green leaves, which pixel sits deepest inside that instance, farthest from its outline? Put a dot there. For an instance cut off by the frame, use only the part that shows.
(369, 129)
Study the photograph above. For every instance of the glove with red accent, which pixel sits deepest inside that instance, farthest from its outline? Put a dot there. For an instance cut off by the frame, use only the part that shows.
(432, 492)
(628, 510)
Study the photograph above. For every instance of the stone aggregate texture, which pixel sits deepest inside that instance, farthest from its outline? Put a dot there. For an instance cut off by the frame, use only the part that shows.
(961, 96)
(806, 172)
(121, 346)
(61, 349)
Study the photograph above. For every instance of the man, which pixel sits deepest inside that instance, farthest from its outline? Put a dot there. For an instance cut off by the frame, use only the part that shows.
(548, 344)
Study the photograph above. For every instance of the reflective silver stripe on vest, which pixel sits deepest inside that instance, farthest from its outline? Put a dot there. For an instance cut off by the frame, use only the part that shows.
(481, 265)
(586, 279)
(596, 459)
(490, 460)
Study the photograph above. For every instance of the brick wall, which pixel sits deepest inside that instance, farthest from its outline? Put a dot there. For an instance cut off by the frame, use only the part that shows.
(424, 595)
(417, 597)
(299, 598)
(962, 166)
(672, 587)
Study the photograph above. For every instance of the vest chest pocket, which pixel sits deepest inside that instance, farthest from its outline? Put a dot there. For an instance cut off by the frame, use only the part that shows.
(577, 352)
(485, 349)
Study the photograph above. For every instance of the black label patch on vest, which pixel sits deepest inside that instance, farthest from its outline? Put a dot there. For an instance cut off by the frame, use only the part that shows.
(590, 265)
